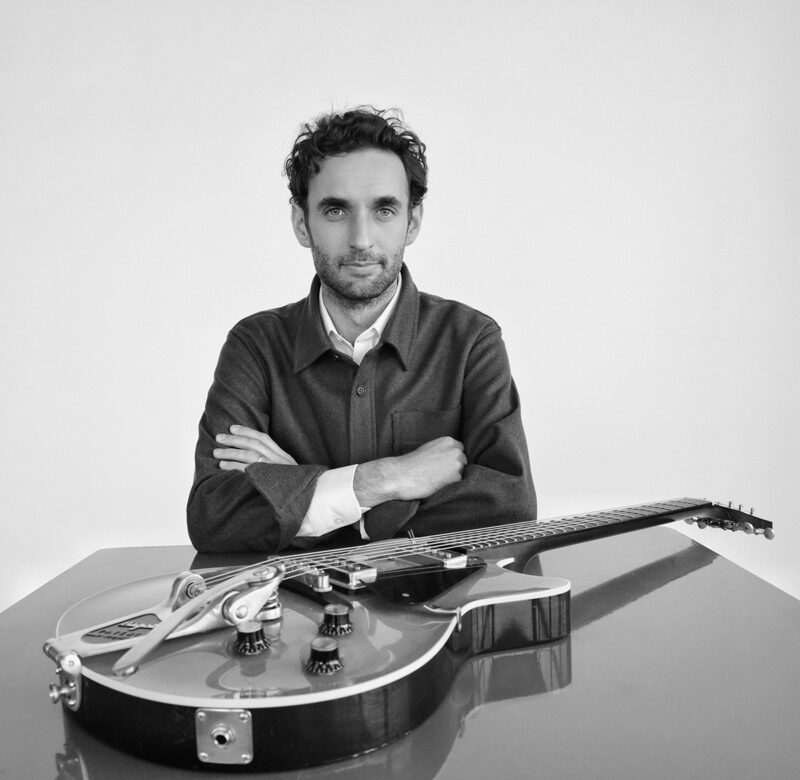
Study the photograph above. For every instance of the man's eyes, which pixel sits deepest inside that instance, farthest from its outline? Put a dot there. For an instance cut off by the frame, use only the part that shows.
(337, 212)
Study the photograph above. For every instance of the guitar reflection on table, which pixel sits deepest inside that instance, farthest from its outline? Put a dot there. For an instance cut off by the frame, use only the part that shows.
(482, 680)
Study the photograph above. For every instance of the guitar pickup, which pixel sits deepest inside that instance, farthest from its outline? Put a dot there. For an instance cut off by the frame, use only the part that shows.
(351, 575)
(450, 559)
(424, 559)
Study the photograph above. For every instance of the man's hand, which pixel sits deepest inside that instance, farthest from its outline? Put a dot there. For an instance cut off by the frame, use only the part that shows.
(243, 446)
(417, 474)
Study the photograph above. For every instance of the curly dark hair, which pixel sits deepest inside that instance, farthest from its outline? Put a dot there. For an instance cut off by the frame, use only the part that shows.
(363, 127)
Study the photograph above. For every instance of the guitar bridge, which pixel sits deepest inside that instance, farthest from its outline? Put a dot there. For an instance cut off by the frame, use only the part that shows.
(450, 559)
(351, 575)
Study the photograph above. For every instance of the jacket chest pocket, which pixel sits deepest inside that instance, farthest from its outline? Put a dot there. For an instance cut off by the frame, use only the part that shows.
(411, 429)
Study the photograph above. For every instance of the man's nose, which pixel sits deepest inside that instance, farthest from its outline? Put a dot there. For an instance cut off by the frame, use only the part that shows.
(360, 235)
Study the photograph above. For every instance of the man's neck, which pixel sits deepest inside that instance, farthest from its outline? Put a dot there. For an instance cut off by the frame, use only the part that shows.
(352, 318)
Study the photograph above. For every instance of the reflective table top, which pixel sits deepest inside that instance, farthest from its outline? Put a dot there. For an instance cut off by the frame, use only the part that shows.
(679, 664)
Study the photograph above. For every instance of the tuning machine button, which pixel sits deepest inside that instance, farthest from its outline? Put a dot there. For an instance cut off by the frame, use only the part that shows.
(324, 656)
(337, 620)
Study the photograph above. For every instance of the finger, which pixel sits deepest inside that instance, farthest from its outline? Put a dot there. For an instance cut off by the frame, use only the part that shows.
(244, 444)
(449, 442)
(230, 465)
(264, 445)
(275, 453)
(244, 430)
(241, 456)
(252, 433)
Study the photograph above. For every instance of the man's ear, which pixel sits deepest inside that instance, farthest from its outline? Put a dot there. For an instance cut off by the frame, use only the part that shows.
(300, 227)
(414, 224)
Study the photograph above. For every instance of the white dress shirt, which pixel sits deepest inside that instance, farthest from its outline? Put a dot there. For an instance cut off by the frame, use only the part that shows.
(334, 502)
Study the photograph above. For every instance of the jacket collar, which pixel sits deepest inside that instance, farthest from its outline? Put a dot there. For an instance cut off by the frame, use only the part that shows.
(400, 332)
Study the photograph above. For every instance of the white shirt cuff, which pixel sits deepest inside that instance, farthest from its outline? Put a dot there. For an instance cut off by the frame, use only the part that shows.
(334, 503)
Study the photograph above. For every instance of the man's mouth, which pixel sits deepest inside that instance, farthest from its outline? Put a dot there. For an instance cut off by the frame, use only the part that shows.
(357, 261)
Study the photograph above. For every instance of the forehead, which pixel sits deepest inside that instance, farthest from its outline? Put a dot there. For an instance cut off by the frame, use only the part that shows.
(365, 174)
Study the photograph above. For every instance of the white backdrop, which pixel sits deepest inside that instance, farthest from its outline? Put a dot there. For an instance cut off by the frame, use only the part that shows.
(616, 182)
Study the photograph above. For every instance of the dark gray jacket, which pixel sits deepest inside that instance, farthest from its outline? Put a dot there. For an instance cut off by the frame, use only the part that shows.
(441, 369)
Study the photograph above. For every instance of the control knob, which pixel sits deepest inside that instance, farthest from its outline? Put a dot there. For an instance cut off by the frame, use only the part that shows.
(324, 656)
(337, 620)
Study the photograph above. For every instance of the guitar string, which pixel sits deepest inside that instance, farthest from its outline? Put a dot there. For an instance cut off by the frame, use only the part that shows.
(376, 551)
(473, 539)
(298, 565)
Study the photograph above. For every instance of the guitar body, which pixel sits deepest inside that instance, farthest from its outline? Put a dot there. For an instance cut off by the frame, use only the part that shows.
(269, 667)
(266, 712)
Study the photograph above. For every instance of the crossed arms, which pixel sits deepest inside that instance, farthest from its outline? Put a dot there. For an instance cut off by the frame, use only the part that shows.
(443, 447)
(416, 475)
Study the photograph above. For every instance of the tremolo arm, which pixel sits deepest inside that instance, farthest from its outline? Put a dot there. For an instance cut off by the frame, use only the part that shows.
(191, 608)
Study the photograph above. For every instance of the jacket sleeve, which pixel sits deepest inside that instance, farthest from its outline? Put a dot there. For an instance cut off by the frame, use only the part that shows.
(496, 486)
(262, 508)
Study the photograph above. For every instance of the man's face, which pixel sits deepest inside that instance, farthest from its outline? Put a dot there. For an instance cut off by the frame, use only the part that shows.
(358, 223)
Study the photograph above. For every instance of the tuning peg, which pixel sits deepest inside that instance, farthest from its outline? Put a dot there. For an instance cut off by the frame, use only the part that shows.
(702, 524)
(748, 528)
(689, 520)
(767, 533)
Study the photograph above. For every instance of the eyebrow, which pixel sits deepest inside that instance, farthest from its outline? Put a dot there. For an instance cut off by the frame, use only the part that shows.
(331, 201)
(388, 200)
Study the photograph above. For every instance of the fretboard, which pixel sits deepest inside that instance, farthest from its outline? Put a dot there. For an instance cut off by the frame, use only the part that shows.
(574, 528)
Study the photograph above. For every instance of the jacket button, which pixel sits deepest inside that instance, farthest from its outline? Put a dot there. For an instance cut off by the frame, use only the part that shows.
(361, 390)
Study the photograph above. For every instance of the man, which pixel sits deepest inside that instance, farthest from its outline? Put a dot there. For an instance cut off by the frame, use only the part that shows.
(368, 409)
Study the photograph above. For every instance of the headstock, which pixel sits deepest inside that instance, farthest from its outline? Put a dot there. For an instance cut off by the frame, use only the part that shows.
(729, 519)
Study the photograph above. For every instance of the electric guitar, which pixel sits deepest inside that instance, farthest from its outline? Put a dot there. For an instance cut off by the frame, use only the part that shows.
(310, 658)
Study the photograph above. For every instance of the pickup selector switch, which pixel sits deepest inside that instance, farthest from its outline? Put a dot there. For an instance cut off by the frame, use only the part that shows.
(324, 657)
(337, 620)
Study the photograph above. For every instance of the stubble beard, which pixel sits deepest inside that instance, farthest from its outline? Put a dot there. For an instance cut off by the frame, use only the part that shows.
(357, 294)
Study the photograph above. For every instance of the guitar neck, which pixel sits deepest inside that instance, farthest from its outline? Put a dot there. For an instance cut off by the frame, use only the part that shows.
(579, 528)
(354, 564)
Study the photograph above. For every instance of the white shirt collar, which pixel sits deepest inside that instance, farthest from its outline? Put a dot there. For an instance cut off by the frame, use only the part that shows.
(366, 340)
